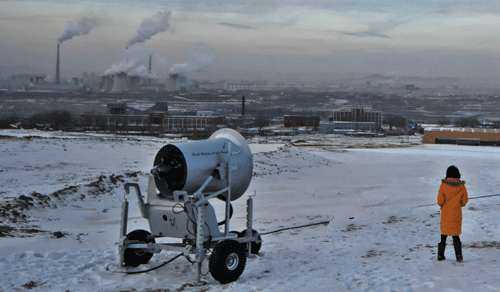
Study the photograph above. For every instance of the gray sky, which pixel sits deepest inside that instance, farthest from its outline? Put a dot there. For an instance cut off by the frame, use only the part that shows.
(402, 38)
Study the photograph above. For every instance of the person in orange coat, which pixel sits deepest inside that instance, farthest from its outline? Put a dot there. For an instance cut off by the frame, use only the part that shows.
(452, 196)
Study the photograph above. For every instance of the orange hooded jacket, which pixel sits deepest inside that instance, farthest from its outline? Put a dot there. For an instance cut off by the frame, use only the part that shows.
(452, 196)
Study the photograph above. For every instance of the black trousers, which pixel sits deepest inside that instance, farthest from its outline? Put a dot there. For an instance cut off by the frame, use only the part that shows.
(456, 239)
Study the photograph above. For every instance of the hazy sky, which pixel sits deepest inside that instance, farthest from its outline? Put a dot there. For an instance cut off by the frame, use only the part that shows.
(424, 37)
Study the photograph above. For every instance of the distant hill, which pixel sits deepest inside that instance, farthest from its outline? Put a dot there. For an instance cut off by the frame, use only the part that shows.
(414, 78)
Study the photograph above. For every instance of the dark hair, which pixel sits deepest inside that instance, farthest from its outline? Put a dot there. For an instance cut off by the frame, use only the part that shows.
(452, 172)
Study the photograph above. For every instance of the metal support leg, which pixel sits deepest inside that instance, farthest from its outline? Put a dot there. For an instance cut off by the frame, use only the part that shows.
(200, 238)
(249, 223)
(228, 199)
(227, 213)
(123, 231)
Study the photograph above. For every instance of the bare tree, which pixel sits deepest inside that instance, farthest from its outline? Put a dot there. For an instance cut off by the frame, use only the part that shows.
(400, 122)
(261, 121)
(443, 121)
(468, 122)
(396, 121)
(57, 119)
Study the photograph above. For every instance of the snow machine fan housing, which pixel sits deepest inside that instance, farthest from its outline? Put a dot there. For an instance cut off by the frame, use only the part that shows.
(185, 166)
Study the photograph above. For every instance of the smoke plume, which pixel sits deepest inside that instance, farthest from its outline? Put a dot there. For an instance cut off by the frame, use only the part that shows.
(135, 63)
(82, 27)
(201, 57)
(151, 26)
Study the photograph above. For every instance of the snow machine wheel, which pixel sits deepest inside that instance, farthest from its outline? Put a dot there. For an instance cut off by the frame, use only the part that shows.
(227, 261)
(136, 256)
(256, 245)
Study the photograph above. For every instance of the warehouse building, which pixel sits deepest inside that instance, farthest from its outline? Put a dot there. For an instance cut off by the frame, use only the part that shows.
(462, 136)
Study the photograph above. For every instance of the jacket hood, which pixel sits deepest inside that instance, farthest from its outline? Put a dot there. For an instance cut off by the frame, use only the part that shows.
(453, 182)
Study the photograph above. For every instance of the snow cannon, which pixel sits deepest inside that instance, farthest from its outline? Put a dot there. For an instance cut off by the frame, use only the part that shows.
(184, 178)
(185, 166)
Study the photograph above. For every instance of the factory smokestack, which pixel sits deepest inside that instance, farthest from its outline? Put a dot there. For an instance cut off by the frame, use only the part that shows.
(149, 64)
(150, 80)
(173, 83)
(58, 81)
(243, 105)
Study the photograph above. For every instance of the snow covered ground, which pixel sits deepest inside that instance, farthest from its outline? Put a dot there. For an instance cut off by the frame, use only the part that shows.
(71, 185)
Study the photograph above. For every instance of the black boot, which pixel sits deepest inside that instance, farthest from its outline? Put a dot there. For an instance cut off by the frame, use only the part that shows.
(441, 248)
(458, 250)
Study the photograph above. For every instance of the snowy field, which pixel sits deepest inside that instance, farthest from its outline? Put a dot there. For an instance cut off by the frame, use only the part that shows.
(71, 185)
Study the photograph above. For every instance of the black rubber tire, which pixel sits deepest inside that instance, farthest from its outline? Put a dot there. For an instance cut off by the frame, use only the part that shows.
(227, 261)
(134, 257)
(235, 232)
(255, 246)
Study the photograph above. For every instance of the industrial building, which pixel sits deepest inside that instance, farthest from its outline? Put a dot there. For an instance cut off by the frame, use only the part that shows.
(302, 121)
(154, 123)
(122, 118)
(352, 120)
(124, 109)
(345, 127)
(462, 136)
(29, 78)
(358, 115)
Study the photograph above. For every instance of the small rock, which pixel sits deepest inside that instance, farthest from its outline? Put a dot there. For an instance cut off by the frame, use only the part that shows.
(58, 234)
